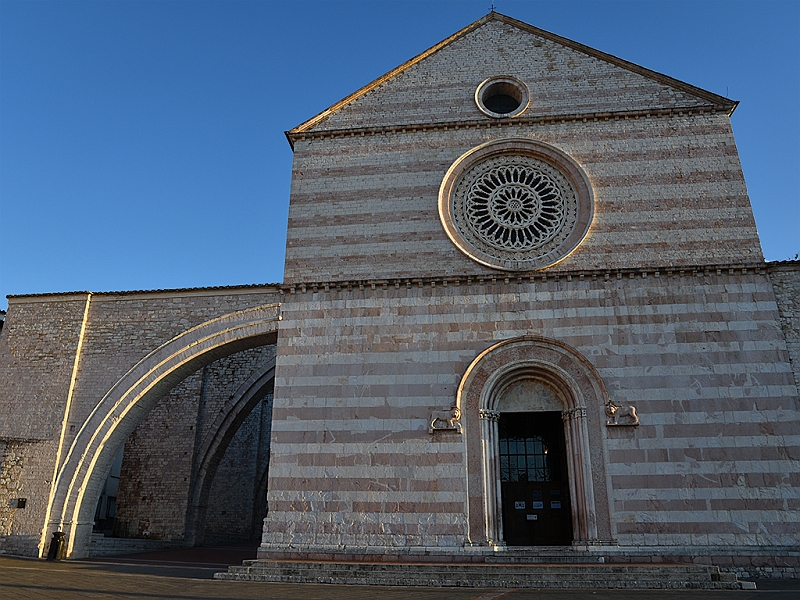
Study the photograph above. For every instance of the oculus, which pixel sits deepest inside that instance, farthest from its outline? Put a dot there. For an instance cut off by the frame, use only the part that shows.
(516, 204)
(502, 97)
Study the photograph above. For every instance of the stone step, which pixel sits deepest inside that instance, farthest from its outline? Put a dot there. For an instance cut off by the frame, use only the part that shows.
(100, 545)
(476, 568)
(576, 576)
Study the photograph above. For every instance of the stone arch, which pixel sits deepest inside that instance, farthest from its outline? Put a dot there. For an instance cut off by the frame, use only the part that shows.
(582, 390)
(100, 437)
(216, 442)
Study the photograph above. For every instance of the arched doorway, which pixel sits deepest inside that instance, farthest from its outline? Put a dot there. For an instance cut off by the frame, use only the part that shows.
(535, 382)
(89, 459)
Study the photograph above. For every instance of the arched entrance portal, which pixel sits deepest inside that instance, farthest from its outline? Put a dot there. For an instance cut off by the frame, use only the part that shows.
(101, 436)
(536, 383)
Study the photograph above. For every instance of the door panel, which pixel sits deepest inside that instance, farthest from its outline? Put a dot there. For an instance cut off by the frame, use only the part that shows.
(534, 486)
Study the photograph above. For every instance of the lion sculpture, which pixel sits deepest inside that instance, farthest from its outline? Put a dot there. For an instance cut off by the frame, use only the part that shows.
(621, 415)
(445, 420)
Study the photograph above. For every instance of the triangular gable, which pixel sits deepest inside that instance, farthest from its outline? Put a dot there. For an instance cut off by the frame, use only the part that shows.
(645, 89)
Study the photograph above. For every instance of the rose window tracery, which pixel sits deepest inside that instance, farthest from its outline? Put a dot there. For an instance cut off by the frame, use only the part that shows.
(515, 206)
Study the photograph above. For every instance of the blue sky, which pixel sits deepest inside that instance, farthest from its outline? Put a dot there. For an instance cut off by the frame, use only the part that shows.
(142, 146)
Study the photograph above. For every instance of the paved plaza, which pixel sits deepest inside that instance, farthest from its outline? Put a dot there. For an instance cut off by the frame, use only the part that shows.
(188, 573)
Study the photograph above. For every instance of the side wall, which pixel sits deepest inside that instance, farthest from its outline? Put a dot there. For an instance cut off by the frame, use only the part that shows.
(715, 461)
(157, 467)
(42, 373)
(237, 501)
(785, 279)
(159, 461)
(38, 352)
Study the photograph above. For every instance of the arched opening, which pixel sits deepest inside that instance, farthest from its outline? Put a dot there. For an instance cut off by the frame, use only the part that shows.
(535, 382)
(189, 470)
(91, 454)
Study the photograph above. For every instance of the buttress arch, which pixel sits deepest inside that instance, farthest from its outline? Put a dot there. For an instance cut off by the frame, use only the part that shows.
(86, 464)
(585, 395)
(216, 442)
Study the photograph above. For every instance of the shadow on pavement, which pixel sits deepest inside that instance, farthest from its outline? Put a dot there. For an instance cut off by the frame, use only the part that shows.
(191, 563)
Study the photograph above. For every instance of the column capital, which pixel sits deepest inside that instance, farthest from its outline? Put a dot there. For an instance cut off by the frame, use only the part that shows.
(573, 413)
(489, 415)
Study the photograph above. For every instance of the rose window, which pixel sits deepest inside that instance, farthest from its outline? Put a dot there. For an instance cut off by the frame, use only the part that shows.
(515, 204)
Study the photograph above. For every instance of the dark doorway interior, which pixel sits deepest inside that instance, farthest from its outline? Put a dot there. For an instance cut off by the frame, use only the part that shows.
(534, 484)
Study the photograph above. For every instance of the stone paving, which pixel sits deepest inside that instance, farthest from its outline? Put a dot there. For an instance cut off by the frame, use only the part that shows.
(170, 575)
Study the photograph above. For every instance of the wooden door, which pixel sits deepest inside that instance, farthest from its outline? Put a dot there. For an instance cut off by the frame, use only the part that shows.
(534, 485)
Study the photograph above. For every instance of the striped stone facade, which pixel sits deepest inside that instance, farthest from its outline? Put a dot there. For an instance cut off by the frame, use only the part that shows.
(663, 166)
(665, 306)
(699, 354)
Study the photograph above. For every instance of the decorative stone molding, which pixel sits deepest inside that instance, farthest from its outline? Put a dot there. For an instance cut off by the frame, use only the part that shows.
(525, 278)
(623, 115)
(621, 416)
(489, 415)
(445, 420)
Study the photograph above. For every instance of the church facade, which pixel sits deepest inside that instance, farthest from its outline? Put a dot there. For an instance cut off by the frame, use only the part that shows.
(524, 306)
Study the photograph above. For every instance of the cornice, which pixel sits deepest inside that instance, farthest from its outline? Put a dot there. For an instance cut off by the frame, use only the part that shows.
(485, 123)
(525, 278)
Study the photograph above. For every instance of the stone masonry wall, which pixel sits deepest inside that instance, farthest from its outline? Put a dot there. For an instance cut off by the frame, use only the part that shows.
(715, 460)
(236, 507)
(34, 460)
(785, 279)
(660, 157)
(562, 80)
(38, 346)
(40, 336)
(124, 328)
(157, 466)
(234, 487)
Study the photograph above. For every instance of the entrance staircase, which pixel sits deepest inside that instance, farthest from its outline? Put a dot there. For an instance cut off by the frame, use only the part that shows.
(487, 575)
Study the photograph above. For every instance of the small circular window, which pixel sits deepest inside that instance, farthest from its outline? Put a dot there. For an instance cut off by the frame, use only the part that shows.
(502, 97)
